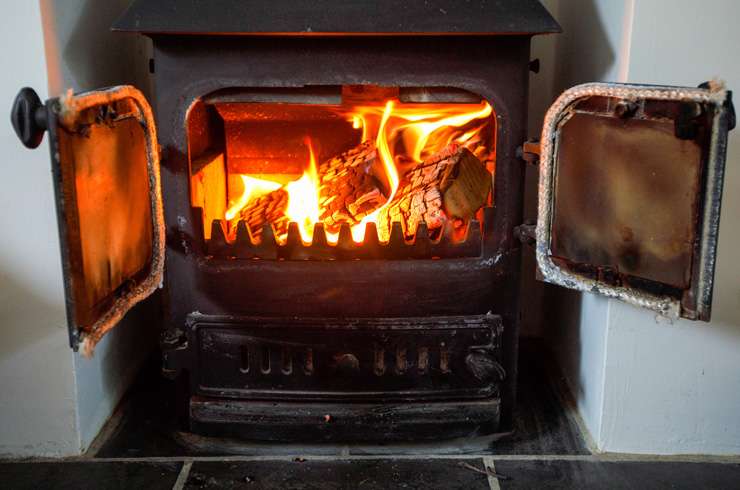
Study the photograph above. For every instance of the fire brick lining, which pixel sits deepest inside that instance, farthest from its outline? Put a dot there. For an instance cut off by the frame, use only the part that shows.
(667, 306)
(71, 105)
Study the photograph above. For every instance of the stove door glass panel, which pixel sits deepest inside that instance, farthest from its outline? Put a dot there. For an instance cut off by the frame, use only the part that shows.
(105, 163)
(629, 194)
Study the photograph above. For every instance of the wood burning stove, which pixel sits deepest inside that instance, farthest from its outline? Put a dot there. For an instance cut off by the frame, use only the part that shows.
(383, 305)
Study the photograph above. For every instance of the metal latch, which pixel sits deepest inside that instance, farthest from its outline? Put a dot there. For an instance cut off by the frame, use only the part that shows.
(526, 233)
(529, 152)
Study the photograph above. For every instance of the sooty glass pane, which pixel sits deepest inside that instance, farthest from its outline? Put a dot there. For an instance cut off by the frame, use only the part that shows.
(626, 197)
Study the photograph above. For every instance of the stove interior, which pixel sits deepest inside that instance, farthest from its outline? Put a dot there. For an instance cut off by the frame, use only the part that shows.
(344, 163)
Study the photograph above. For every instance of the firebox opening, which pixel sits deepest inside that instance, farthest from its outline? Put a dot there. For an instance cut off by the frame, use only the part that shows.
(330, 158)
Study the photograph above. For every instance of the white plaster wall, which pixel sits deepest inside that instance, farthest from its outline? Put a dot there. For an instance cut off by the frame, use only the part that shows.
(37, 383)
(675, 388)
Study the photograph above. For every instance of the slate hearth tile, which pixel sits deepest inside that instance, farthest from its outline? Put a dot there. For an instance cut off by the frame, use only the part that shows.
(88, 475)
(338, 474)
(562, 474)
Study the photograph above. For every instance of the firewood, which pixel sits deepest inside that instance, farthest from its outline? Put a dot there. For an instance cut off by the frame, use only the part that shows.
(269, 208)
(450, 185)
(465, 185)
(352, 186)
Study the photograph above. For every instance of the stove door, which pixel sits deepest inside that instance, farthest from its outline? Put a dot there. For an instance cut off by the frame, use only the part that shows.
(105, 166)
(630, 190)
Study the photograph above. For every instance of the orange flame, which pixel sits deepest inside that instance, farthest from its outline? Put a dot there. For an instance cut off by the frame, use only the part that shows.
(404, 135)
(303, 197)
(253, 188)
(381, 143)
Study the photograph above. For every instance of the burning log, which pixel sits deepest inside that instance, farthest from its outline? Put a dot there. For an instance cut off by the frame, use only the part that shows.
(352, 186)
(452, 184)
(269, 208)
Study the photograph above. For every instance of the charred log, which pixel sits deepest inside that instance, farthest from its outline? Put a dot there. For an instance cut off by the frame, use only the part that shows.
(267, 209)
(352, 186)
(450, 185)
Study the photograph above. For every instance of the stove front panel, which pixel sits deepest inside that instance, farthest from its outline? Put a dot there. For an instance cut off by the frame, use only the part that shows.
(188, 68)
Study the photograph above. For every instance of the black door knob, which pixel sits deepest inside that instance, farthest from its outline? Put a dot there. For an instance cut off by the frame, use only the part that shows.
(28, 117)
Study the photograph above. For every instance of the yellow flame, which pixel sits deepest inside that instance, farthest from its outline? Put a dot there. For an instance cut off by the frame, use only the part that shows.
(467, 136)
(424, 130)
(303, 198)
(381, 143)
(403, 133)
(253, 188)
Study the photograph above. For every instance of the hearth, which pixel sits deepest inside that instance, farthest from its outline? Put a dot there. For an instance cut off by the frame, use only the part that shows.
(337, 220)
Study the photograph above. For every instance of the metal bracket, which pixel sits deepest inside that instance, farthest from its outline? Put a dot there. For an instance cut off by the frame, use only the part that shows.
(526, 233)
(529, 152)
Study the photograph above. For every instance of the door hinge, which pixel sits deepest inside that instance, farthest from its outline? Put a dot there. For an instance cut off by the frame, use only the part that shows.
(529, 152)
(526, 233)
(729, 106)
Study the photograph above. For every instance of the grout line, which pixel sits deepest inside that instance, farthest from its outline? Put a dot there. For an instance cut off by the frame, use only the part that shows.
(489, 466)
(182, 478)
(595, 458)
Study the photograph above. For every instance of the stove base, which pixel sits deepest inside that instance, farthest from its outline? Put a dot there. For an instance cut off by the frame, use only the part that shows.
(343, 422)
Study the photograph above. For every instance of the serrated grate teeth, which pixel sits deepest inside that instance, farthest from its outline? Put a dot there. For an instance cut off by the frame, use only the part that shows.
(371, 235)
(218, 233)
(217, 245)
(345, 237)
(267, 237)
(244, 243)
(442, 243)
(319, 236)
(396, 237)
(422, 245)
(293, 239)
(422, 232)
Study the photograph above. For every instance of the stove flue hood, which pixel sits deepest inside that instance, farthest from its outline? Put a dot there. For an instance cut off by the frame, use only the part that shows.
(337, 17)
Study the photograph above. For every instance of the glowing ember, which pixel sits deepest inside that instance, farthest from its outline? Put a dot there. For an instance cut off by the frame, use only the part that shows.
(404, 135)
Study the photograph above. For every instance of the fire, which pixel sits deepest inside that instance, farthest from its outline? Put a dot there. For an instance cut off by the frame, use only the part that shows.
(404, 135)
(303, 198)
(253, 188)
(381, 143)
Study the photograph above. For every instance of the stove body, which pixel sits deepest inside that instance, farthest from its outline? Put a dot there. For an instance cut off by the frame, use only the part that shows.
(241, 329)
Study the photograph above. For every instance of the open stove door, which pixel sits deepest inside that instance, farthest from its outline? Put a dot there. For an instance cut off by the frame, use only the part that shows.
(630, 191)
(105, 166)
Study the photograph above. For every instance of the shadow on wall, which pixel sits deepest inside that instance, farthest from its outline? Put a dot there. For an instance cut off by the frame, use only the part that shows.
(586, 51)
(88, 54)
(726, 300)
(583, 25)
(27, 315)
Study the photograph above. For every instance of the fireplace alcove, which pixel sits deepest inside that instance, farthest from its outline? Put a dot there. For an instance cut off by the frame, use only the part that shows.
(274, 322)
